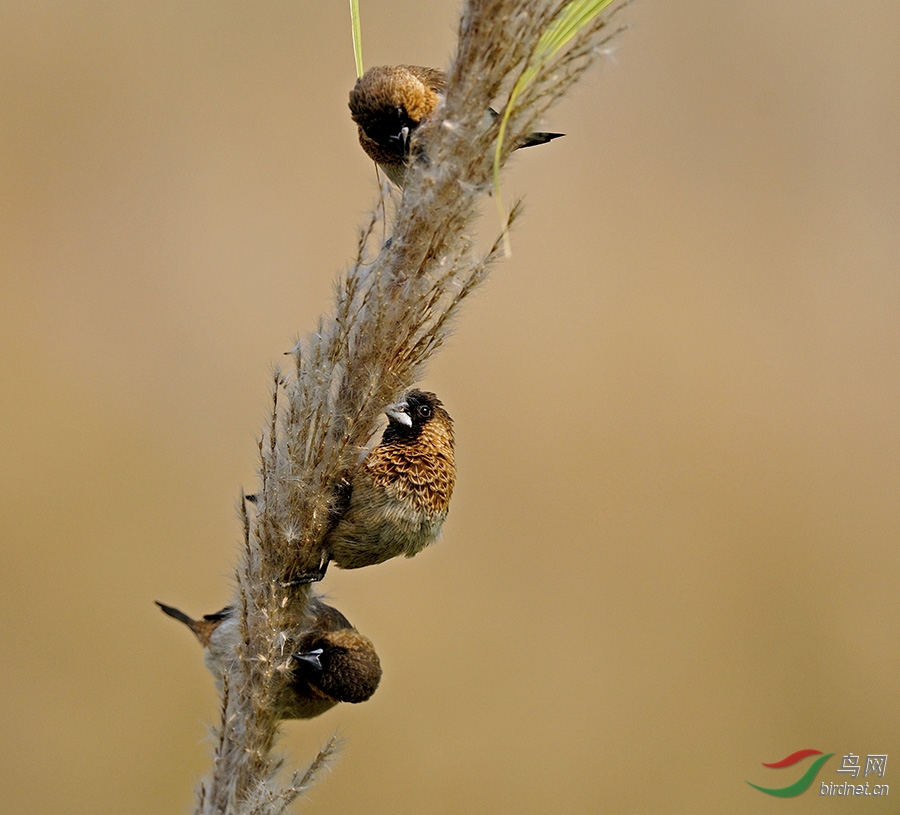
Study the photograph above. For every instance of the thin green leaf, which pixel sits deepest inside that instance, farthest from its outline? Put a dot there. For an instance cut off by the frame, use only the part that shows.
(357, 36)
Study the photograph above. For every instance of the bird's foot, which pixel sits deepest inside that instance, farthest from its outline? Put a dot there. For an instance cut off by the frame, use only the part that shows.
(304, 578)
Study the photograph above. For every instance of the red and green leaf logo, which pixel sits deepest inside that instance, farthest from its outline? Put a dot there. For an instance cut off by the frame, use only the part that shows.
(804, 782)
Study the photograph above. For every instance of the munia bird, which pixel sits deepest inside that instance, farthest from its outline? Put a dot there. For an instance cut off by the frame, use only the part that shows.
(390, 102)
(330, 661)
(400, 493)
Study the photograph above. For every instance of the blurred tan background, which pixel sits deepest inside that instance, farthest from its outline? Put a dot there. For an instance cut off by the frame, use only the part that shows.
(673, 552)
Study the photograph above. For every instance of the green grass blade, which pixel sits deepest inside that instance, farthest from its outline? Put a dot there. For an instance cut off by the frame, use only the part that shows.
(357, 36)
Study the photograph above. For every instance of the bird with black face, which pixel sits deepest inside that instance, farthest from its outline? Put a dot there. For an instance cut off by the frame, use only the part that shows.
(330, 661)
(333, 663)
(400, 493)
(390, 102)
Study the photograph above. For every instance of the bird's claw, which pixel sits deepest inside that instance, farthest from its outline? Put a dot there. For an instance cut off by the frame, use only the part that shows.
(305, 578)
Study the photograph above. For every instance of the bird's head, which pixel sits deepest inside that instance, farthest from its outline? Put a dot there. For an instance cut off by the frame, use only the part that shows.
(341, 665)
(388, 103)
(412, 413)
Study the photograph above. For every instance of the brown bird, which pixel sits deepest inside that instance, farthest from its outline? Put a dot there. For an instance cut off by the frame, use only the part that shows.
(332, 662)
(400, 494)
(388, 104)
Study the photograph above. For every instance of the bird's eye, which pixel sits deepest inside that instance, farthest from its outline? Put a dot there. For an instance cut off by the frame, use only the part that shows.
(424, 411)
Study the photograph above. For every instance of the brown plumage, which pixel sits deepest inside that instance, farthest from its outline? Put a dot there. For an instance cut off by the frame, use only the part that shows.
(390, 102)
(400, 493)
(330, 660)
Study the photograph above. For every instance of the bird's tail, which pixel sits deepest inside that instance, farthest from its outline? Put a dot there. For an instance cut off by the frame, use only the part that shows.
(178, 615)
(538, 138)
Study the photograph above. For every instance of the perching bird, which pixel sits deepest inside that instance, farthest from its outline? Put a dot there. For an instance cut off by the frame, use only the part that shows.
(389, 102)
(331, 661)
(400, 493)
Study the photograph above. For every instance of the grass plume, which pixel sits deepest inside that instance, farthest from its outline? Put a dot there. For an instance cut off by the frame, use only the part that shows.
(393, 309)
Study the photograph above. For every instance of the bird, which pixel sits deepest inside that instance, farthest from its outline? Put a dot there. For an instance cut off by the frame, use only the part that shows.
(330, 661)
(388, 104)
(400, 493)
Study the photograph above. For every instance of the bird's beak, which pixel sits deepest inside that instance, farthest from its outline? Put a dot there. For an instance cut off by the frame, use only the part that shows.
(403, 137)
(310, 658)
(399, 412)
